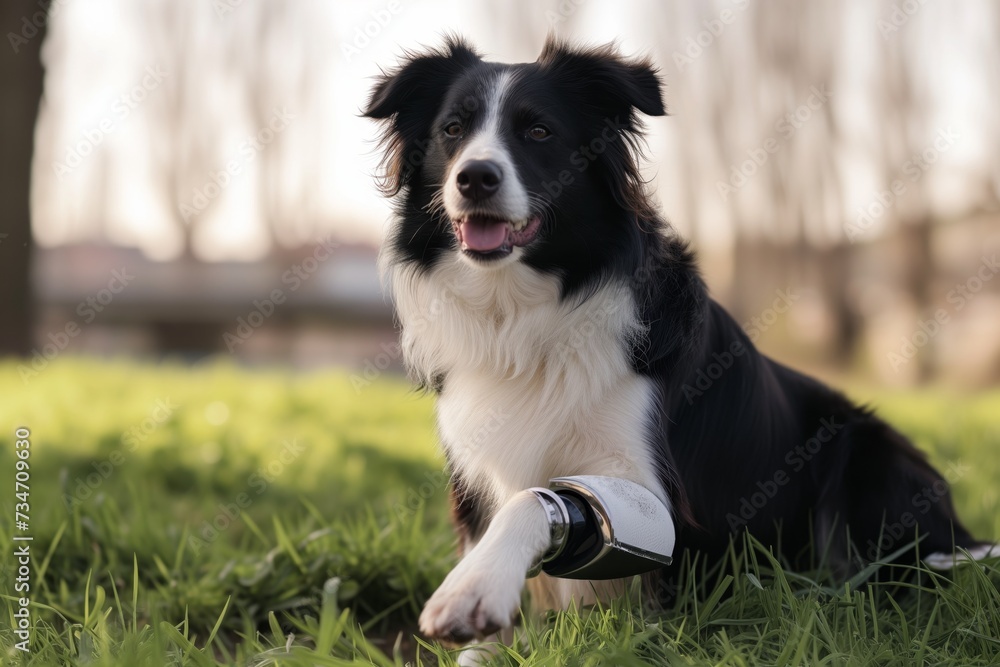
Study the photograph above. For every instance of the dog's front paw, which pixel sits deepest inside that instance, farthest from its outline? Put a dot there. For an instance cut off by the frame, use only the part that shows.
(471, 604)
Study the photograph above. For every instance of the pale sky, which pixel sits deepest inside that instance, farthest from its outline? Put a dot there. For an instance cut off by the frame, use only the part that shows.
(98, 51)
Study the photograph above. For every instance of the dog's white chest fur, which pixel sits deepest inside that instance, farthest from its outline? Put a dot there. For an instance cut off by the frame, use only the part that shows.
(534, 388)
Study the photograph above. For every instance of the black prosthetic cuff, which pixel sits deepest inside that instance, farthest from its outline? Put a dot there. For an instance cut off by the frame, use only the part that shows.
(583, 538)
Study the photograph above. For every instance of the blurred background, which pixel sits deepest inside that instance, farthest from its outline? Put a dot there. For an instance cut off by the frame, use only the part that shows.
(837, 157)
(193, 331)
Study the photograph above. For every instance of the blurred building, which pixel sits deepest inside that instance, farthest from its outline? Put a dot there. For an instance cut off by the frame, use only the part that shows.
(290, 307)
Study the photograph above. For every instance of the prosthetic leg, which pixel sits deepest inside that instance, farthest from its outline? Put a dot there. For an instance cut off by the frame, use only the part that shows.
(582, 527)
(603, 528)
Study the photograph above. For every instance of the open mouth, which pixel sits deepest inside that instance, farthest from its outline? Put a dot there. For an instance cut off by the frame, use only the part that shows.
(486, 237)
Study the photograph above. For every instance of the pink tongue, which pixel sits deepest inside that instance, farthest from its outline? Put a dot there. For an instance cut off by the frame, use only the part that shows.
(483, 235)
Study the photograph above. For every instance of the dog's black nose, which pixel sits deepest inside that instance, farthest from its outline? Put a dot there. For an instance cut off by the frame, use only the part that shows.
(479, 179)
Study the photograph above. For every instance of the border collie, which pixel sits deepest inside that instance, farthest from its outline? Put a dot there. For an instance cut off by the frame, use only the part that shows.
(563, 326)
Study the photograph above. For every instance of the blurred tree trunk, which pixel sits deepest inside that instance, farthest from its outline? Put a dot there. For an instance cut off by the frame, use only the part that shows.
(21, 85)
(835, 276)
(920, 273)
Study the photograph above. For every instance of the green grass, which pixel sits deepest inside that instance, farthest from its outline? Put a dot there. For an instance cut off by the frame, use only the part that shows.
(195, 543)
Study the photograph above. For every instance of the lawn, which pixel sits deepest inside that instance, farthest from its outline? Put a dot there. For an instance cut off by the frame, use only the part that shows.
(213, 515)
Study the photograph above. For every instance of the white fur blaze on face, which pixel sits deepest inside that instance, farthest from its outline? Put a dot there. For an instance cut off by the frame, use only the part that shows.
(511, 201)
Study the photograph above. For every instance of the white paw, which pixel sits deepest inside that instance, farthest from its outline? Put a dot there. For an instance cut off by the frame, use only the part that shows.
(471, 603)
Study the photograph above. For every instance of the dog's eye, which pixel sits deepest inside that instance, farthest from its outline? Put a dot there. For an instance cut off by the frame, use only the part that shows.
(453, 129)
(539, 132)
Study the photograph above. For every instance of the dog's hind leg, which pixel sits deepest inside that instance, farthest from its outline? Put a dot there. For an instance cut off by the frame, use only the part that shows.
(889, 496)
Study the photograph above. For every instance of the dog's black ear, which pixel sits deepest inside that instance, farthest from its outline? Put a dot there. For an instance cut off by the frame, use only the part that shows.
(612, 89)
(606, 80)
(406, 100)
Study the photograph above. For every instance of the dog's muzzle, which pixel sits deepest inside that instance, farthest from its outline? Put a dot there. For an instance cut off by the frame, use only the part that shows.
(603, 528)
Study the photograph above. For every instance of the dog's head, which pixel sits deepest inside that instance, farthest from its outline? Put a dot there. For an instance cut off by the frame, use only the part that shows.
(535, 162)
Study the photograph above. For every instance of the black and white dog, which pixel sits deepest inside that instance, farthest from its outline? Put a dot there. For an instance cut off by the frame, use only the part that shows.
(559, 320)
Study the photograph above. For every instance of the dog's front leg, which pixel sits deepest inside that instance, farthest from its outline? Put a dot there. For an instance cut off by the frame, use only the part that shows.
(482, 594)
